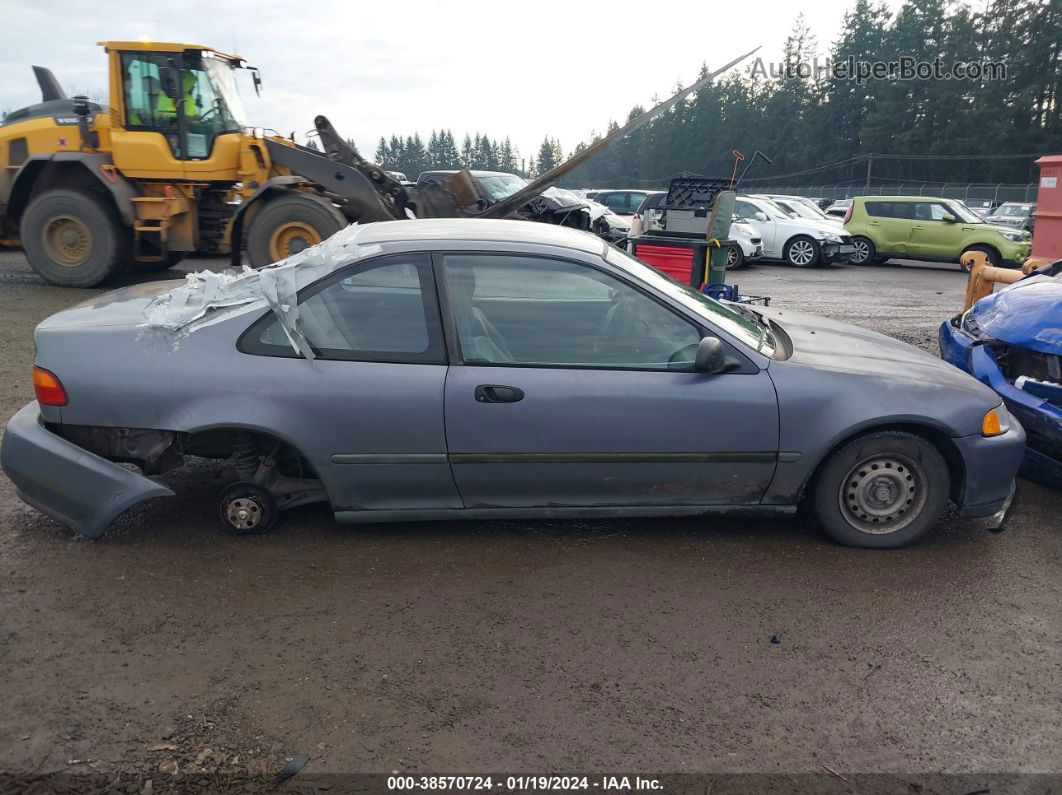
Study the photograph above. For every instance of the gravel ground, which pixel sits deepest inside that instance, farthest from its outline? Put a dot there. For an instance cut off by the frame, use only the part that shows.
(529, 646)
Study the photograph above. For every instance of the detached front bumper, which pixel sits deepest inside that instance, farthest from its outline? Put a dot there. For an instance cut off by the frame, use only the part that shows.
(71, 485)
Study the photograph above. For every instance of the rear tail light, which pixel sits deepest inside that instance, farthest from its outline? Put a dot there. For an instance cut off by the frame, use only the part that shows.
(48, 388)
(848, 213)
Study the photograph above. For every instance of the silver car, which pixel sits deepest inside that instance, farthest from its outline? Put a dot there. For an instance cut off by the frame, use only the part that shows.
(445, 369)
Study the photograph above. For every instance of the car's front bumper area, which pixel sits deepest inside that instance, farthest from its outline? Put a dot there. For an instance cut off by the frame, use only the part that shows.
(1042, 420)
(991, 464)
(836, 252)
(73, 486)
(1015, 254)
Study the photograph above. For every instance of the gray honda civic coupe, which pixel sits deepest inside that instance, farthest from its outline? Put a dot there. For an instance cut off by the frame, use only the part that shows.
(445, 369)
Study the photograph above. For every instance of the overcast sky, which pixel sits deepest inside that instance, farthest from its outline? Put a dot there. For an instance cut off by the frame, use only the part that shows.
(503, 68)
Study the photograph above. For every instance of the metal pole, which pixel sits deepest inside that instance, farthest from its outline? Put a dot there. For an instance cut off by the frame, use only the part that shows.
(870, 160)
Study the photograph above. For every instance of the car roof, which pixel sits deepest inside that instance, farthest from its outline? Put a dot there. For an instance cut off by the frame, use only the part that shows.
(447, 230)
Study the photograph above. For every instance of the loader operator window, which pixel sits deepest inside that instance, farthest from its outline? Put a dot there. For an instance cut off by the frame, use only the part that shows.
(147, 107)
(207, 98)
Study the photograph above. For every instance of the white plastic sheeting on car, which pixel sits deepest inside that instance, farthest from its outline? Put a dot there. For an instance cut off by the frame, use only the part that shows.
(206, 292)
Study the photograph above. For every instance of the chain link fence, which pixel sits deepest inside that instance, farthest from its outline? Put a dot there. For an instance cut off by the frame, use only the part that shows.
(964, 191)
(971, 191)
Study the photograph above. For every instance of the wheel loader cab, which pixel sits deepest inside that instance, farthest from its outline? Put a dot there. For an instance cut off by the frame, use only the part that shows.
(178, 110)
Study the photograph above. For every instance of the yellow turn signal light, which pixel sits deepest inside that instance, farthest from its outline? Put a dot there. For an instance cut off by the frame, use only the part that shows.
(994, 423)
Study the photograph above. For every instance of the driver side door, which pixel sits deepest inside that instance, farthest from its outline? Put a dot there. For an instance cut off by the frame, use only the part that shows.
(574, 388)
(932, 236)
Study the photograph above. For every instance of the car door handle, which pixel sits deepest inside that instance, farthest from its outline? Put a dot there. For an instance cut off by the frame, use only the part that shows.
(917, 227)
(498, 393)
(873, 223)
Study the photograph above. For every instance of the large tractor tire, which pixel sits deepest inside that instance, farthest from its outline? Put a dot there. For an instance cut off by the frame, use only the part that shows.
(289, 224)
(73, 238)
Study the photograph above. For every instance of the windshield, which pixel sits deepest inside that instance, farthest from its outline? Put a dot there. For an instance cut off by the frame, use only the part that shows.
(757, 336)
(220, 93)
(774, 211)
(799, 210)
(816, 211)
(500, 186)
(964, 213)
(1013, 210)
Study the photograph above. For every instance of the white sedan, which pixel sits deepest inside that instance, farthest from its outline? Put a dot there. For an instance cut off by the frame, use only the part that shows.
(799, 241)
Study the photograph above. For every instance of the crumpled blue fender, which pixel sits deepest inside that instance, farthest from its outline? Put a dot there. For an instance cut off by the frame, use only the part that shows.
(1027, 314)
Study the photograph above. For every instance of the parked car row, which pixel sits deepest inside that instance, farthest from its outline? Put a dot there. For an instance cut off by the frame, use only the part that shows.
(762, 228)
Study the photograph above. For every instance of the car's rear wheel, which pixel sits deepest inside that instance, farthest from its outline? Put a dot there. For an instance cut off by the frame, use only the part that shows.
(801, 251)
(864, 251)
(735, 257)
(247, 509)
(990, 253)
(882, 490)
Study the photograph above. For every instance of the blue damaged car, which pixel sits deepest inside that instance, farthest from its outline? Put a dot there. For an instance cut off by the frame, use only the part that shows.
(1012, 341)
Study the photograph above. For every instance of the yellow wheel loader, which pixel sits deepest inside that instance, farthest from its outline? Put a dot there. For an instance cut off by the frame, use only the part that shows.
(170, 167)
(162, 171)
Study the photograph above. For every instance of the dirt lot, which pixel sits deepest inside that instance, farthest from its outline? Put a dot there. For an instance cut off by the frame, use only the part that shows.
(534, 647)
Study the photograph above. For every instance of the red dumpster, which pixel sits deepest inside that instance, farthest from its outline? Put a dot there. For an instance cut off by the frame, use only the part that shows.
(1047, 234)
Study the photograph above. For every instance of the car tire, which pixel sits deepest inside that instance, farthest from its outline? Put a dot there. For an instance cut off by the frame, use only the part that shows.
(993, 255)
(865, 252)
(735, 257)
(881, 491)
(247, 509)
(289, 224)
(73, 238)
(802, 252)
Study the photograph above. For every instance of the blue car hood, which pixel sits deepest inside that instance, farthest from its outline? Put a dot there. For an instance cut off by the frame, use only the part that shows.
(1026, 314)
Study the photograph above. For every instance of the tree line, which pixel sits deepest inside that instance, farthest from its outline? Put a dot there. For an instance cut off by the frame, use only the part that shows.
(821, 127)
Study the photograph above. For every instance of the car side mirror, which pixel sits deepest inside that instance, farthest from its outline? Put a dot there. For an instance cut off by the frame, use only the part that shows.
(950, 219)
(711, 356)
(761, 216)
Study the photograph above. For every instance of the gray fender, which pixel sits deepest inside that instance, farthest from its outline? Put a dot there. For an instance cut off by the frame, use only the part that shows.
(40, 168)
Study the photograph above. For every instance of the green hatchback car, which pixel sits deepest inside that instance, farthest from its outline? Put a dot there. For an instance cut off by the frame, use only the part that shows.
(924, 228)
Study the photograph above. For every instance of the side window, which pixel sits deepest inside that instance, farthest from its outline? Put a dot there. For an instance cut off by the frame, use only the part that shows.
(939, 211)
(532, 311)
(879, 209)
(146, 105)
(381, 311)
(923, 211)
(617, 202)
(745, 210)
